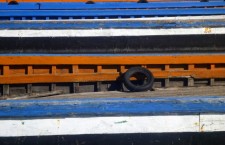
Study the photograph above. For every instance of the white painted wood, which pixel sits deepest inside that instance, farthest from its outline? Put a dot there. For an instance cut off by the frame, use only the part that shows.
(99, 125)
(110, 32)
(211, 123)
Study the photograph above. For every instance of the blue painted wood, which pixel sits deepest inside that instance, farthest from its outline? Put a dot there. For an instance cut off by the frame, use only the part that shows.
(128, 24)
(132, 5)
(111, 13)
(111, 5)
(21, 6)
(45, 11)
(111, 107)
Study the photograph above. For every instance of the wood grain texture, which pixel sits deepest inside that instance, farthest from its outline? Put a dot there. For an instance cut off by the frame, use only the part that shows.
(92, 107)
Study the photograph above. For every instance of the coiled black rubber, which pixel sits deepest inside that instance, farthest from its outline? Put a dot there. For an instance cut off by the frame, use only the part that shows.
(138, 88)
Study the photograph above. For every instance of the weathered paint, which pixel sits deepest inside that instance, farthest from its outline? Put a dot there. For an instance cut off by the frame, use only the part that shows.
(93, 107)
(110, 125)
(113, 59)
(58, 11)
(99, 125)
(110, 32)
(109, 5)
(62, 14)
(49, 69)
(111, 116)
(212, 123)
(135, 23)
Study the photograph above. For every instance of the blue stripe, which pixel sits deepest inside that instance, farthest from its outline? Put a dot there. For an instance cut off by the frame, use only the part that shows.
(111, 13)
(21, 6)
(110, 5)
(45, 11)
(111, 107)
(109, 24)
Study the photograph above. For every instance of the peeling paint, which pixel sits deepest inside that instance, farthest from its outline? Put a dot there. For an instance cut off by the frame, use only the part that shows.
(208, 30)
(202, 128)
(197, 123)
(119, 122)
(58, 123)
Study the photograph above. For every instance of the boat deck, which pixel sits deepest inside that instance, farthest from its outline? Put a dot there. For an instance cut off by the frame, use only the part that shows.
(192, 114)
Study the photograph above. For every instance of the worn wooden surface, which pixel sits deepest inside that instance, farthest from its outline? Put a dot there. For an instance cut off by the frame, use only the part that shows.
(108, 10)
(79, 115)
(180, 92)
(112, 125)
(99, 125)
(112, 32)
(205, 22)
(191, 101)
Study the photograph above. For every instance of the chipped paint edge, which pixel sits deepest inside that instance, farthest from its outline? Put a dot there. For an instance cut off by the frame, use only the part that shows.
(98, 125)
(212, 123)
(112, 125)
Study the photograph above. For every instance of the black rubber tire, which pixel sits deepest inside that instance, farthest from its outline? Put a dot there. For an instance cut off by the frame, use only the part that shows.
(138, 88)
(13, 2)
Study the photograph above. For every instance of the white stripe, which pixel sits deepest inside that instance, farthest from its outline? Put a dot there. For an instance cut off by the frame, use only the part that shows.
(99, 125)
(112, 125)
(211, 123)
(110, 32)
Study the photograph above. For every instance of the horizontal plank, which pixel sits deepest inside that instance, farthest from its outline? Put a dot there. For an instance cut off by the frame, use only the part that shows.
(114, 46)
(112, 125)
(112, 13)
(112, 59)
(111, 32)
(153, 23)
(99, 125)
(109, 5)
(93, 77)
(112, 107)
(122, 139)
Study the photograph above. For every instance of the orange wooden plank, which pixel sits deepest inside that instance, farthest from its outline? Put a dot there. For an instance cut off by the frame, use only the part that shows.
(42, 69)
(122, 69)
(191, 67)
(29, 70)
(53, 71)
(111, 60)
(92, 77)
(193, 73)
(99, 68)
(83, 67)
(17, 70)
(212, 66)
(6, 70)
(57, 78)
(75, 69)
